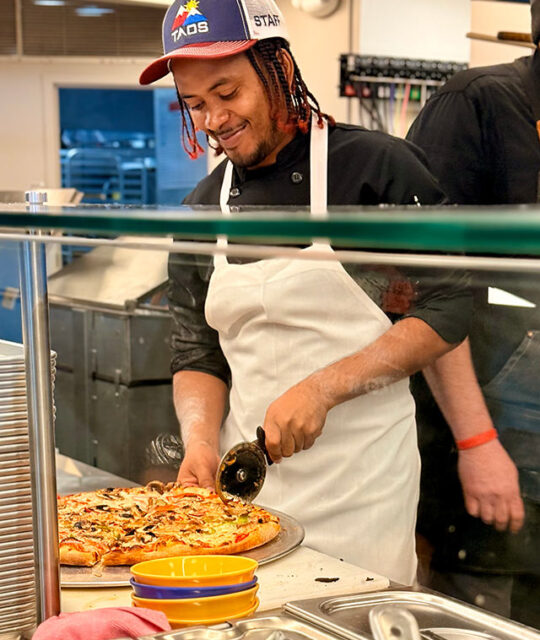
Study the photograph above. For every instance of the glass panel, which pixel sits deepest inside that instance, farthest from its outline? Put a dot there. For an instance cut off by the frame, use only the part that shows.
(491, 230)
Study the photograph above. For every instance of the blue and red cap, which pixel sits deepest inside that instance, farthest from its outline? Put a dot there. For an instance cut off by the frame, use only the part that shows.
(214, 29)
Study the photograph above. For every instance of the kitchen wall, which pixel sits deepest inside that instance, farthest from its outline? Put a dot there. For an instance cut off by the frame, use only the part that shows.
(29, 127)
(488, 18)
(432, 29)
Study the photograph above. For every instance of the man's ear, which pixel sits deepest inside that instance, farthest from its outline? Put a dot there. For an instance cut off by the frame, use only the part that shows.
(288, 66)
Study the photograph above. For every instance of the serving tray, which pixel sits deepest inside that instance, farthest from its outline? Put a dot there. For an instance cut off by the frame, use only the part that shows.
(291, 536)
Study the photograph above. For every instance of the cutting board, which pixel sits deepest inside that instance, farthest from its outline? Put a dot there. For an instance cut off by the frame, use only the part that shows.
(297, 576)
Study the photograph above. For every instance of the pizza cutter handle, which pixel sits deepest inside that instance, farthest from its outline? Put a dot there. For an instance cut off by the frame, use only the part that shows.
(262, 444)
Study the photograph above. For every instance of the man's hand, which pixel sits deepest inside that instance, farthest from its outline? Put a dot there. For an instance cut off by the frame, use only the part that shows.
(294, 421)
(490, 485)
(199, 466)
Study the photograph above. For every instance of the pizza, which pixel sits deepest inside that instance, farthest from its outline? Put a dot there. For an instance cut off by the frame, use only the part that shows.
(126, 526)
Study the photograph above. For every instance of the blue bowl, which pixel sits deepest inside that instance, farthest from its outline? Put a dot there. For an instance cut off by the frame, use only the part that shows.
(171, 593)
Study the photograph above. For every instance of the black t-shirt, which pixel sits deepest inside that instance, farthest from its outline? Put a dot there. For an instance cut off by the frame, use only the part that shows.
(479, 134)
(364, 167)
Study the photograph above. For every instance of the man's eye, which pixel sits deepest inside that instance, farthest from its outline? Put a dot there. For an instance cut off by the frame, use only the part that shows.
(229, 96)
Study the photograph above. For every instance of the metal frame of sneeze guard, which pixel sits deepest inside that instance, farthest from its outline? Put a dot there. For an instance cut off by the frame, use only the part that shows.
(35, 321)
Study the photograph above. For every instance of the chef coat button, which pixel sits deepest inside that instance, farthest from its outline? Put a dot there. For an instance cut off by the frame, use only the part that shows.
(234, 192)
(296, 177)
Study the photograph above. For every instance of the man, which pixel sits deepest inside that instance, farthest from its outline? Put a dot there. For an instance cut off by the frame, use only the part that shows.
(480, 132)
(303, 344)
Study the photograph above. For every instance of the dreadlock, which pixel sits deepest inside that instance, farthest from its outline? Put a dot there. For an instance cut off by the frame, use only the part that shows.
(266, 58)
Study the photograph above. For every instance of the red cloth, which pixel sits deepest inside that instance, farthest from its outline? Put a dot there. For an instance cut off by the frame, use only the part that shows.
(102, 624)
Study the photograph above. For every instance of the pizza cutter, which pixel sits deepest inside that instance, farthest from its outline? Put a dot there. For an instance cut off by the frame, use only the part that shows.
(242, 470)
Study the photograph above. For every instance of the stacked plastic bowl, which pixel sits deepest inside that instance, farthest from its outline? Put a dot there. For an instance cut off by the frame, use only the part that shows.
(195, 590)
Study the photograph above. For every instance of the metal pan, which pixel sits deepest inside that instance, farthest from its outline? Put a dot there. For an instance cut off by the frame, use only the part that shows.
(11, 496)
(12, 455)
(17, 545)
(348, 616)
(16, 393)
(19, 554)
(18, 578)
(15, 512)
(14, 416)
(13, 431)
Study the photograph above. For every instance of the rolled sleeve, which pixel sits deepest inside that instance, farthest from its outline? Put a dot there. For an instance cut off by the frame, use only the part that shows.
(444, 302)
(194, 344)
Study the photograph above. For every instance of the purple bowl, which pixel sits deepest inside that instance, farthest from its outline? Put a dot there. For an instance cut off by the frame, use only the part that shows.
(171, 593)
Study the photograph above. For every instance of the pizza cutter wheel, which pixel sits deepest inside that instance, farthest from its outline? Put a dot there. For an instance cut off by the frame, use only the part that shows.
(242, 470)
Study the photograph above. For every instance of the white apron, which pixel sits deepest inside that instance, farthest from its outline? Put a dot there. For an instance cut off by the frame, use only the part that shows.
(356, 490)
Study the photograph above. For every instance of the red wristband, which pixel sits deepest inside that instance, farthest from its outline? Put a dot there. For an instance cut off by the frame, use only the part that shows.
(477, 440)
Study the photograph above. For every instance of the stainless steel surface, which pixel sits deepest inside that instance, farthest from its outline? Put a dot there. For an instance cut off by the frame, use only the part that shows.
(455, 634)
(290, 537)
(263, 627)
(348, 617)
(390, 622)
(35, 324)
(520, 265)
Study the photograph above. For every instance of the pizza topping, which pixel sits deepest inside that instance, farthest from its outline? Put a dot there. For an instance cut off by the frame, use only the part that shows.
(157, 520)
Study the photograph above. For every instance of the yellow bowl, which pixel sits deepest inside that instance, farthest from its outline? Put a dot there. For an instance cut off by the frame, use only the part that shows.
(185, 571)
(176, 623)
(230, 604)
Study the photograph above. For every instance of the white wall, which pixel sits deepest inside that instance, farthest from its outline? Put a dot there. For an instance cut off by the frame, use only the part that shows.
(429, 29)
(29, 112)
(488, 18)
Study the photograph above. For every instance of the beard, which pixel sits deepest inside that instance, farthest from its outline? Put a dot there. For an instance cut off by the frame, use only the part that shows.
(263, 149)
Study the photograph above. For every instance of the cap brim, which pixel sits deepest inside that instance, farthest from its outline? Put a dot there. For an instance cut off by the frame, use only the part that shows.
(160, 67)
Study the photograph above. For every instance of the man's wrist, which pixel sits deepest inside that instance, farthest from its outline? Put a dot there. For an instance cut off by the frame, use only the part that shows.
(477, 440)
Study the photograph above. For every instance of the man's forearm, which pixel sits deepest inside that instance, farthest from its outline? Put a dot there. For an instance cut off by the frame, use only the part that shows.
(407, 347)
(454, 385)
(199, 401)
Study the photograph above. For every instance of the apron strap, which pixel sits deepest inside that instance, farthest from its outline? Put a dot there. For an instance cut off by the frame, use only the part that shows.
(221, 241)
(318, 166)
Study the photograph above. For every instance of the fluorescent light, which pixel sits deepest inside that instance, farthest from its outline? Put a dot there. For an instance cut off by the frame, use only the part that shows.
(92, 12)
(49, 3)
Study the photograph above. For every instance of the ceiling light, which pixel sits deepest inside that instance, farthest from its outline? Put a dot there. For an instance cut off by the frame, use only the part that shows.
(49, 3)
(92, 12)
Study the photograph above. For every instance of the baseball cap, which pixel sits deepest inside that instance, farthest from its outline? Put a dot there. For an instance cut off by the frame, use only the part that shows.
(214, 29)
(535, 15)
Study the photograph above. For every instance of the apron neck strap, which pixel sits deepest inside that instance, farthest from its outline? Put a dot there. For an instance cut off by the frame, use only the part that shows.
(318, 166)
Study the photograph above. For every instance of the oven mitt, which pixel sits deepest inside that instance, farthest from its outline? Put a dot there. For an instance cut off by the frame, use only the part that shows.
(103, 624)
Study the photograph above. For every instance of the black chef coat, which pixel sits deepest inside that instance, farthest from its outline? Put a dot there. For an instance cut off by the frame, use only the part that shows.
(479, 134)
(364, 167)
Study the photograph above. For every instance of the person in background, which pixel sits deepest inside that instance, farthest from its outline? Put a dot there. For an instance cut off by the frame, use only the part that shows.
(480, 514)
(305, 348)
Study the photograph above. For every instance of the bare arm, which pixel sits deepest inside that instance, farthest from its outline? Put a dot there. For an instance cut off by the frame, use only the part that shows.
(296, 418)
(488, 476)
(199, 401)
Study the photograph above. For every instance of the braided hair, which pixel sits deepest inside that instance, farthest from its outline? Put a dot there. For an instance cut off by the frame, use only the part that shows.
(266, 58)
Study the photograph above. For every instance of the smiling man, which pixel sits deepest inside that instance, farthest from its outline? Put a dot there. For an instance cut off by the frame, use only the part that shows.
(305, 348)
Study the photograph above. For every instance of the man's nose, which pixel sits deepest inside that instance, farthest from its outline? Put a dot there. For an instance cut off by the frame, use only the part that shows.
(216, 117)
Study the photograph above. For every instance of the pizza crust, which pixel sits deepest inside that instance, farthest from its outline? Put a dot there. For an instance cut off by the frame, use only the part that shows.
(71, 556)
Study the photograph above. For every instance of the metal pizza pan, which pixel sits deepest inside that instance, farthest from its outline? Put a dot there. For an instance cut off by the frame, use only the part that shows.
(289, 538)
(13, 431)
